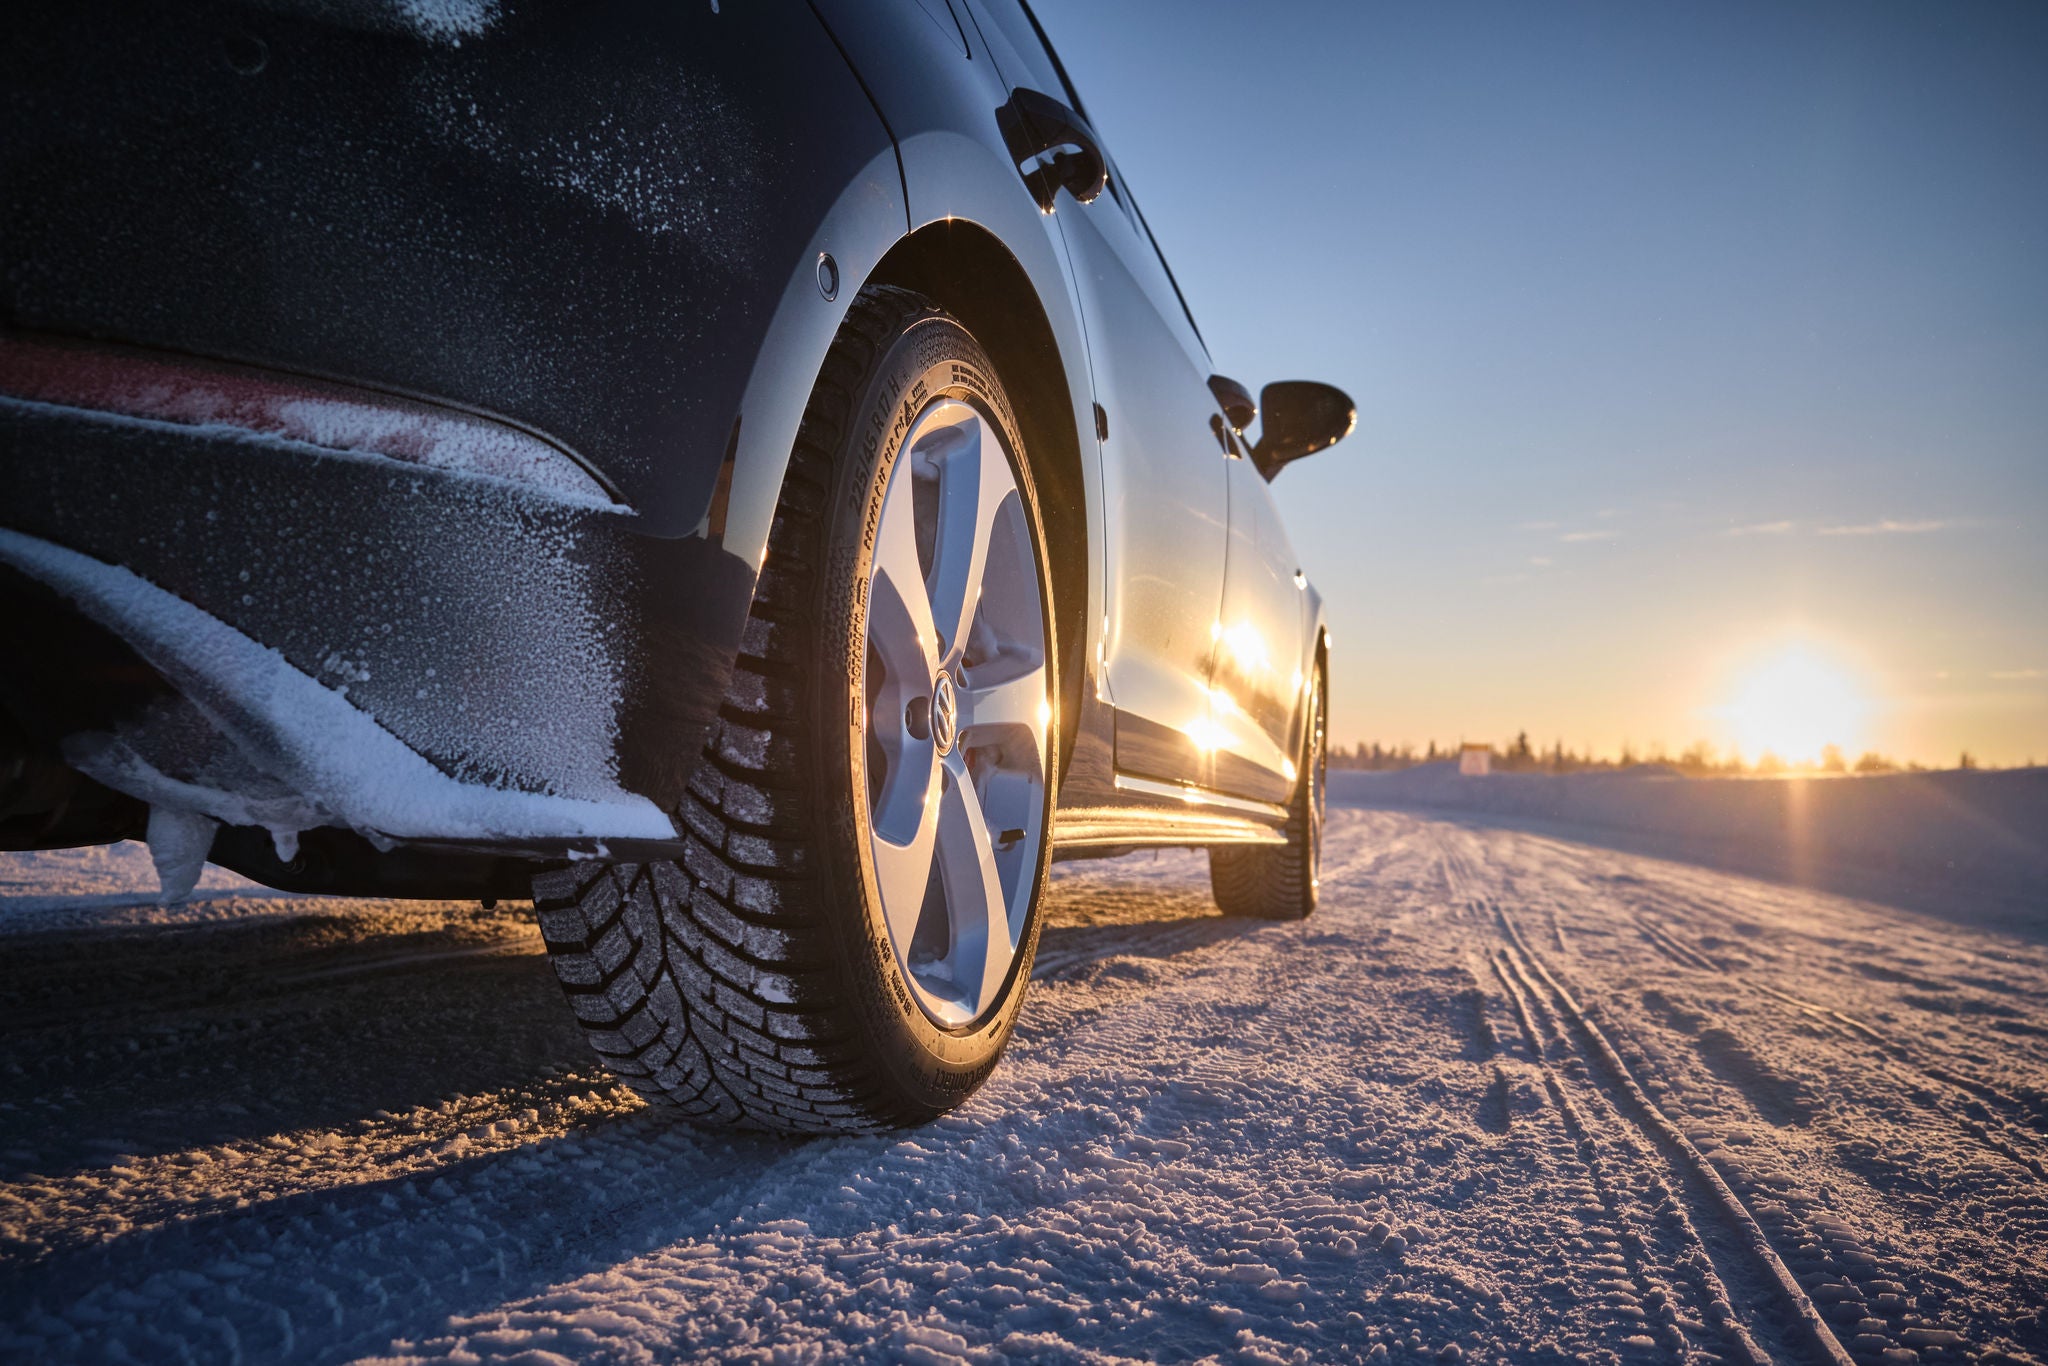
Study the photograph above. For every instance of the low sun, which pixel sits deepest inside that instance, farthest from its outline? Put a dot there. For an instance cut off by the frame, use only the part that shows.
(1793, 702)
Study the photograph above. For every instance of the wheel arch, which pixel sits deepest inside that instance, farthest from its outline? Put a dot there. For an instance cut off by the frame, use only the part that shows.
(966, 270)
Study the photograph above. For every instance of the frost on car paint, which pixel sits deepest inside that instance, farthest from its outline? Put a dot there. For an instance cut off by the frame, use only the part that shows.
(235, 402)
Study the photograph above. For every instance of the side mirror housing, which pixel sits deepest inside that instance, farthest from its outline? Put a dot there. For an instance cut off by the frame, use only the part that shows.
(1301, 417)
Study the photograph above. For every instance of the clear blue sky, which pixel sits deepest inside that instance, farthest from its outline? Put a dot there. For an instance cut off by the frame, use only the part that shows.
(1677, 332)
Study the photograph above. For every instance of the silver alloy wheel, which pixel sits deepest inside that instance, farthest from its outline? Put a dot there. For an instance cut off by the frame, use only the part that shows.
(958, 713)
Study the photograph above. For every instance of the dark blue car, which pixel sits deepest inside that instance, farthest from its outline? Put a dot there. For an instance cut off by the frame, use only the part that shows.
(741, 473)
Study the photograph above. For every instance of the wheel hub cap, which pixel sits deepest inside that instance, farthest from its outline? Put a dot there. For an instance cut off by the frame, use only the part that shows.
(945, 706)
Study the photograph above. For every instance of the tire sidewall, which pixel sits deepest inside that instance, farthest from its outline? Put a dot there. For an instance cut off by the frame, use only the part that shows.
(931, 357)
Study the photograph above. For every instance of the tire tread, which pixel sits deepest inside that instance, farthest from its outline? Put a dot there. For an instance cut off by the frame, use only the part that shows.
(700, 983)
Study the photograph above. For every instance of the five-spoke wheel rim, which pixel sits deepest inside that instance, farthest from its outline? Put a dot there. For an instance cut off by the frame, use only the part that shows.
(957, 713)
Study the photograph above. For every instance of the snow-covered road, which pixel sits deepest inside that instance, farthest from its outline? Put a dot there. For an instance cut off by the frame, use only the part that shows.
(1505, 1097)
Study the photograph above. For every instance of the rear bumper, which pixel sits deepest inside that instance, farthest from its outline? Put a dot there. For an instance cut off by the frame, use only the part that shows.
(414, 653)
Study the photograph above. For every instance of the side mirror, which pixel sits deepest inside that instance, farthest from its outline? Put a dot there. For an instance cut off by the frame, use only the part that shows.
(1301, 417)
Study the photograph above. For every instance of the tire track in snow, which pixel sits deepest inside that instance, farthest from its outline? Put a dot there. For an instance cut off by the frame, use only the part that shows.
(1632, 1101)
(261, 976)
(1715, 1302)
(43, 1215)
(1066, 950)
(1870, 1310)
(1547, 1045)
(1679, 893)
(1208, 1104)
(382, 964)
(1887, 1046)
(1674, 949)
(396, 1256)
(2019, 1145)
(1827, 1255)
(1999, 1143)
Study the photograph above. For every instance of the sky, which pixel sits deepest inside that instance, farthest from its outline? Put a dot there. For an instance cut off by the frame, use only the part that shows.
(1696, 348)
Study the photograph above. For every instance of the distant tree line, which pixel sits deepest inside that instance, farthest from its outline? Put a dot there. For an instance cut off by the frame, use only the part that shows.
(1698, 759)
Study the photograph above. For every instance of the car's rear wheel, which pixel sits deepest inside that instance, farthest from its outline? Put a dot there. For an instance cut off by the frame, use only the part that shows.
(1282, 881)
(848, 938)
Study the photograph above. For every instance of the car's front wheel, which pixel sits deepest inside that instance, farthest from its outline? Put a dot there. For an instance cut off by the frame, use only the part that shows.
(848, 938)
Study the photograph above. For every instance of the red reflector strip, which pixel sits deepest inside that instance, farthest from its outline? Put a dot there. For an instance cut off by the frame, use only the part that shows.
(311, 412)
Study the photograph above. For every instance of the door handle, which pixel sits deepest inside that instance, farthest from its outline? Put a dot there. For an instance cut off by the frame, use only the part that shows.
(1053, 147)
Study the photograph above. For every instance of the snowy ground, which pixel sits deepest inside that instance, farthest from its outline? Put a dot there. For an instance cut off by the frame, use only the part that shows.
(1907, 839)
(1508, 1096)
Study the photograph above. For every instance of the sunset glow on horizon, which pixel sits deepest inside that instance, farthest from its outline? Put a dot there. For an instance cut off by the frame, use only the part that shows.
(1792, 700)
(1697, 354)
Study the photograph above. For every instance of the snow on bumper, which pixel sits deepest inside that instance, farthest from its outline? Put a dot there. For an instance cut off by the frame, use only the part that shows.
(304, 754)
(549, 666)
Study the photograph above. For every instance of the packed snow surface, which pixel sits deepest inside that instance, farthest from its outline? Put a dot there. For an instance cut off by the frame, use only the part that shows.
(1508, 1095)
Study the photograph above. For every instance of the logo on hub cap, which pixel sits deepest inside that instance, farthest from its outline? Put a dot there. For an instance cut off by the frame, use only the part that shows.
(945, 713)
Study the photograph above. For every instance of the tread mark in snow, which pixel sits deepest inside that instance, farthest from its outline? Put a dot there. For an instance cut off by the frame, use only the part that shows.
(1889, 1047)
(2030, 1114)
(275, 978)
(1674, 949)
(1713, 1294)
(1679, 1149)
(1474, 1029)
(395, 962)
(1066, 950)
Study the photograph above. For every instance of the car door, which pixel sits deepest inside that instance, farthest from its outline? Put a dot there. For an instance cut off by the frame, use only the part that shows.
(1261, 646)
(1166, 493)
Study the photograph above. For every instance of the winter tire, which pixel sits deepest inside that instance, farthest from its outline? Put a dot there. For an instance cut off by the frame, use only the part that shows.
(848, 937)
(1282, 881)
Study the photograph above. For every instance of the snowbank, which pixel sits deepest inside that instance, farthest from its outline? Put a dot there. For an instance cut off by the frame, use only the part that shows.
(1984, 831)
